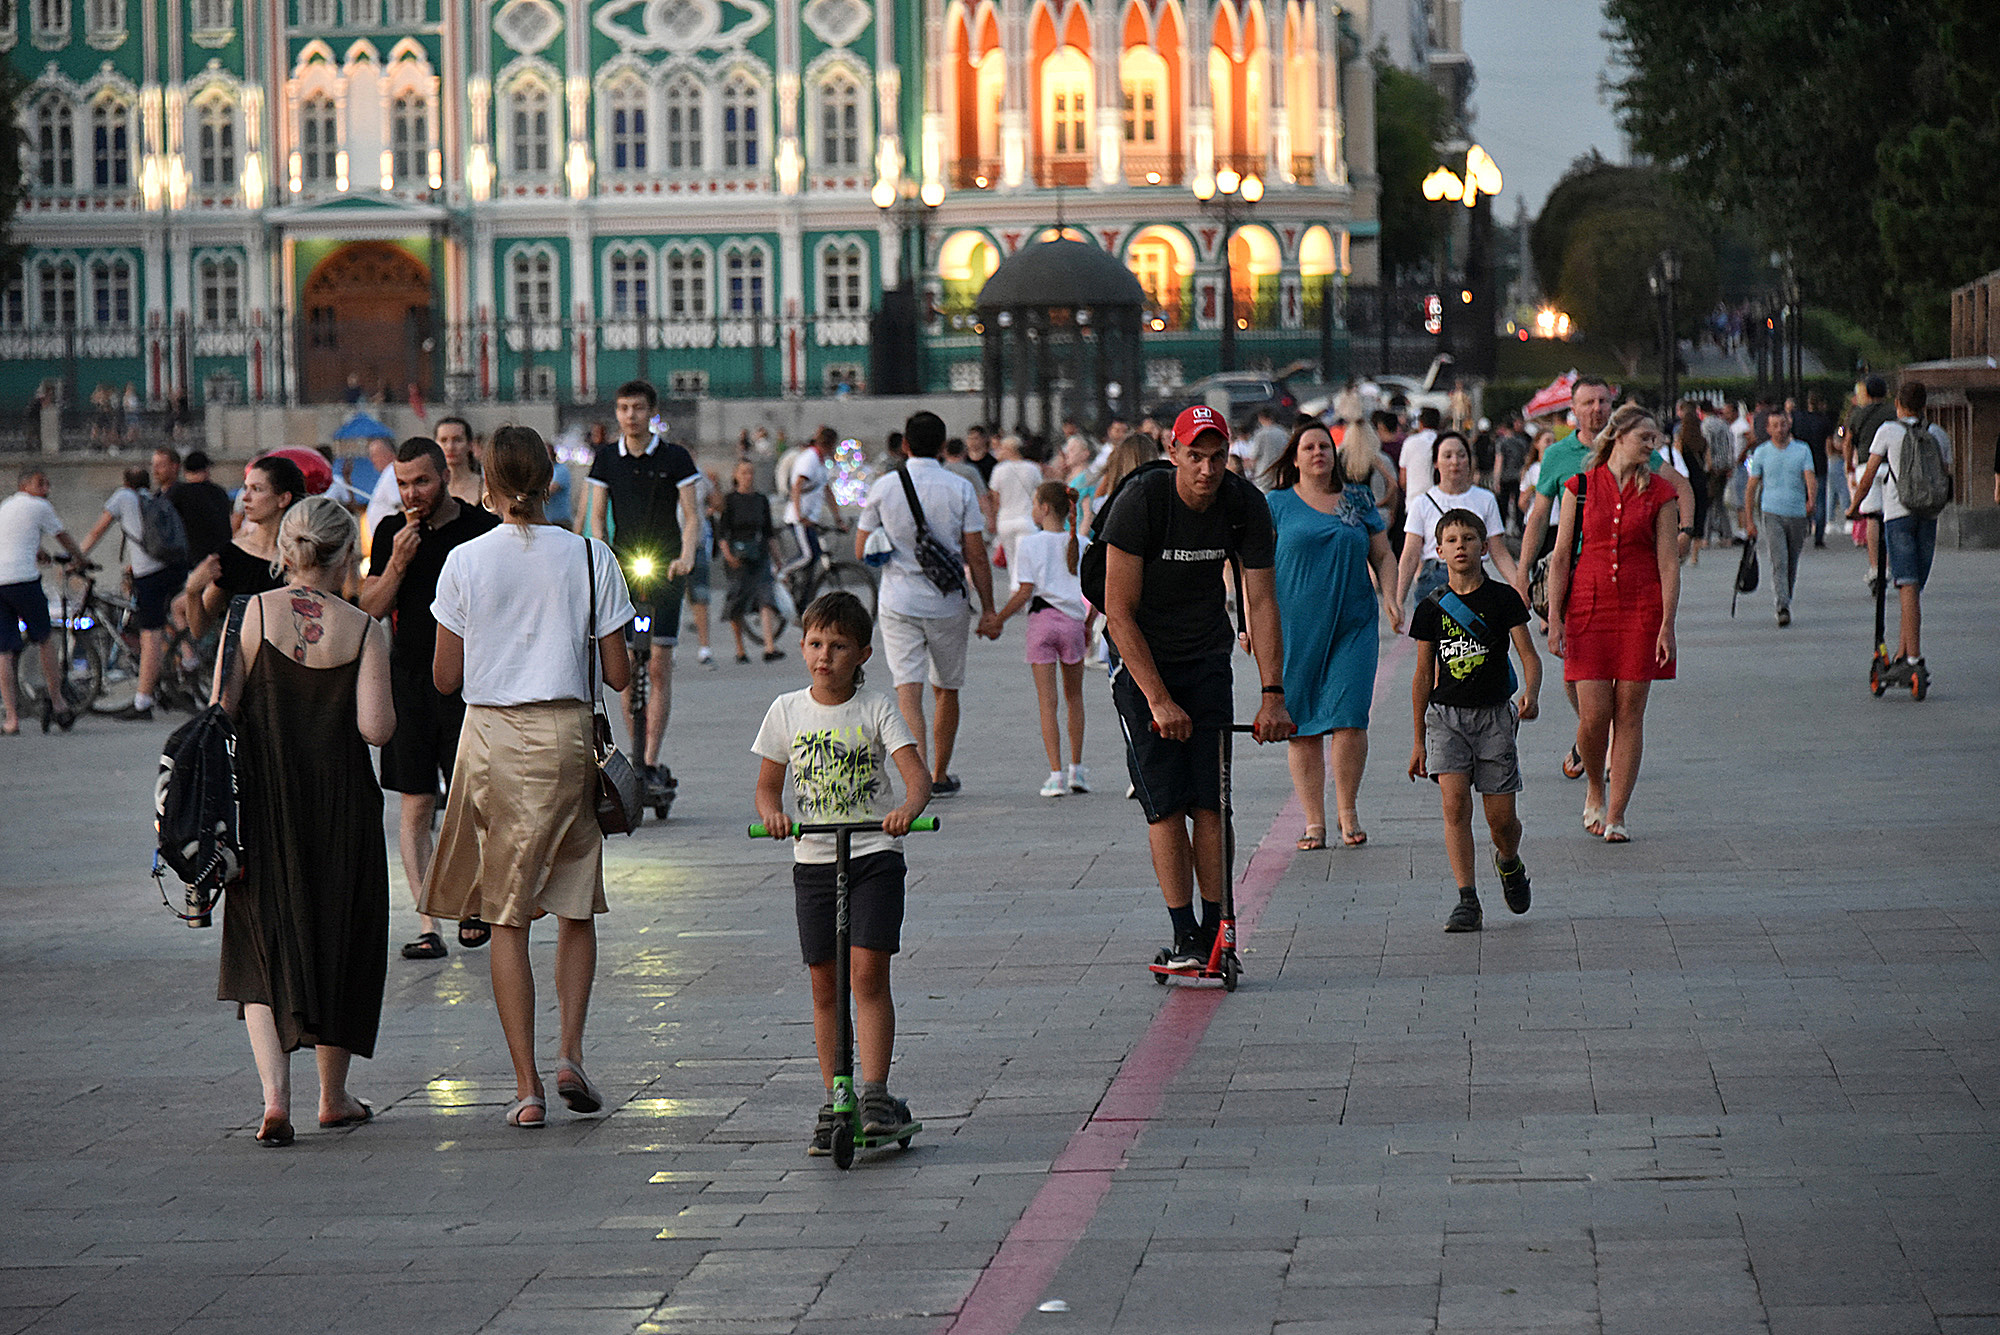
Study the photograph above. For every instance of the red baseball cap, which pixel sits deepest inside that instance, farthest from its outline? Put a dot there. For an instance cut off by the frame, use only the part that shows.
(1193, 421)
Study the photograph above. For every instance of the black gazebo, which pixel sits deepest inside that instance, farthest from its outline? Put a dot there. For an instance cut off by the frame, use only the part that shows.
(1060, 322)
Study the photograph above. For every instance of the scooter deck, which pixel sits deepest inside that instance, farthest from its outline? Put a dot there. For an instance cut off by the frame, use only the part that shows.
(902, 1137)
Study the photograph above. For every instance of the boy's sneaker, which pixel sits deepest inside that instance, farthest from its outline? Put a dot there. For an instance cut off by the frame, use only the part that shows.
(1054, 786)
(1466, 917)
(884, 1116)
(1514, 884)
(1079, 779)
(1186, 953)
(948, 786)
(705, 656)
(822, 1141)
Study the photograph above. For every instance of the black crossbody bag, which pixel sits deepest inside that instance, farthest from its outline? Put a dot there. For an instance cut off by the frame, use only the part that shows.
(941, 566)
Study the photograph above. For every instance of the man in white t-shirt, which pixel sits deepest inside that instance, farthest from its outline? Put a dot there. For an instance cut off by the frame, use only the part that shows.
(1419, 473)
(154, 583)
(805, 506)
(385, 499)
(1908, 541)
(26, 518)
(925, 628)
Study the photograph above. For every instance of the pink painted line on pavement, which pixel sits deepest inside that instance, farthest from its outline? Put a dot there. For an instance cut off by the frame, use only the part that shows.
(1080, 1177)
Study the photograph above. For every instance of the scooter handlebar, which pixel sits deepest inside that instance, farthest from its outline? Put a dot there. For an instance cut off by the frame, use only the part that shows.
(921, 825)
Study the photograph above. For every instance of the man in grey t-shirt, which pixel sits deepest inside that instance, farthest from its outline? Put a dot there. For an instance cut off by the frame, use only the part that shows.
(1269, 441)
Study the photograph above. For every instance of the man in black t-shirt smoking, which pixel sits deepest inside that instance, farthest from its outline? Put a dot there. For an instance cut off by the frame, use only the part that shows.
(406, 557)
(1169, 537)
(645, 487)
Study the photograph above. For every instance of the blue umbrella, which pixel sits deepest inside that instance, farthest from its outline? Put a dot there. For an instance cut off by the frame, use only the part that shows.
(363, 427)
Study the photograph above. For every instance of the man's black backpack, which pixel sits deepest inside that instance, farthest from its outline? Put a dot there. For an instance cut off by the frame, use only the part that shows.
(195, 802)
(162, 533)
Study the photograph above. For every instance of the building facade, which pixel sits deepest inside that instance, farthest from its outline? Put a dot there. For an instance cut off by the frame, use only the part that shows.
(301, 200)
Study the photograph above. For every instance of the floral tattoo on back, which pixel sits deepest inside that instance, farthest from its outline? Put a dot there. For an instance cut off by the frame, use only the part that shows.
(307, 611)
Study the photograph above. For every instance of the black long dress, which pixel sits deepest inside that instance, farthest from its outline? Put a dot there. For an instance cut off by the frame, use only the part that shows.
(306, 932)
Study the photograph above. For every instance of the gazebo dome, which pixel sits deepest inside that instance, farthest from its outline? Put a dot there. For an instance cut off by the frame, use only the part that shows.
(1060, 273)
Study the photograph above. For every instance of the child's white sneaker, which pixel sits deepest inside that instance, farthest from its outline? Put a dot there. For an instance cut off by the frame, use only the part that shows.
(1055, 787)
(1079, 779)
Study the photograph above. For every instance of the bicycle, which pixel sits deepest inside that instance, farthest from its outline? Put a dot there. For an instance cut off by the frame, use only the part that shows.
(827, 573)
(101, 645)
(79, 645)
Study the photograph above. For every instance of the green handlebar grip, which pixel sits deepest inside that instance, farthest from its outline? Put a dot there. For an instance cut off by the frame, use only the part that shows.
(757, 830)
(923, 824)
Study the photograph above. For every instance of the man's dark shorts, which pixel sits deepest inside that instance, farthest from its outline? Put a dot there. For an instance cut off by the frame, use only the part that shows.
(153, 595)
(660, 606)
(874, 904)
(1172, 777)
(23, 603)
(425, 744)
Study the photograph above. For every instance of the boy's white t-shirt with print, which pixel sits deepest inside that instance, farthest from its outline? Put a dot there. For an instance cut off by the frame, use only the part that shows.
(1043, 561)
(839, 756)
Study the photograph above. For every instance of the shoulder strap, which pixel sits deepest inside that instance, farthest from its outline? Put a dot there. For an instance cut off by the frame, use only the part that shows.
(1461, 612)
(916, 506)
(590, 626)
(232, 636)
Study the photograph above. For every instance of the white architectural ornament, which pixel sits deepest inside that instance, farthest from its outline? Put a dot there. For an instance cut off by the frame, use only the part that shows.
(528, 25)
(682, 25)
(836, 22)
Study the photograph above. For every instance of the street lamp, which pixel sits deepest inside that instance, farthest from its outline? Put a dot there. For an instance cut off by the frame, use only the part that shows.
(1230, 196)
(1481, 181)
(1664, 279)
(910, 207)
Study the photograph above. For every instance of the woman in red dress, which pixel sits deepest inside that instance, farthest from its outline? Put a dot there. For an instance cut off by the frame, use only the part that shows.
(1611, 619)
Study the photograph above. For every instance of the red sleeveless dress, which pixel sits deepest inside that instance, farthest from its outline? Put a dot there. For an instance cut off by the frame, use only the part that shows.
(1612, 622)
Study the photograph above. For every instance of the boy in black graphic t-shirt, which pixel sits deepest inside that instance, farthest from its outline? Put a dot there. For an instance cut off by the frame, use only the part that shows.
(1465, 720)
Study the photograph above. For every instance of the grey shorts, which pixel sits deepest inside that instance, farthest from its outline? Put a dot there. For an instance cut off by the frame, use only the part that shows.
(1478, 741)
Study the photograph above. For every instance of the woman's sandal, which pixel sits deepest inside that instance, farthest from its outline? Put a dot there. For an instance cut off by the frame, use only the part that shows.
(472, 933)
(1615, 834)
(575, 1089)
(1573, 764)
(1351, 833)
(274, 1133)
(512, 1117)
(1313, 838)
(1593, 820)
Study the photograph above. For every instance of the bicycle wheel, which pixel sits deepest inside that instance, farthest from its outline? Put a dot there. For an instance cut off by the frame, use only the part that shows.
(849, 577)
(118, 679)
(81, 680)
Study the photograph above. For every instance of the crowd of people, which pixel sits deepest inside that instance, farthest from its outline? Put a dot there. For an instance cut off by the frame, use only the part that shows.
(471, 643)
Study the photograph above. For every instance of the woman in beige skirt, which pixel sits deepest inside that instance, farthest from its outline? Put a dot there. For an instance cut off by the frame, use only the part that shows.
(520, 835)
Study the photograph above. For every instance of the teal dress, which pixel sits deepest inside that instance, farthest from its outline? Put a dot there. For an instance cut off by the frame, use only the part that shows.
(1328, 608)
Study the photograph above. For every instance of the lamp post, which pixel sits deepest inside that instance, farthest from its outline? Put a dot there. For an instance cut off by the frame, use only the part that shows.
(1229, 196)
(910, 207)
(1475, 190)
(1664, 279)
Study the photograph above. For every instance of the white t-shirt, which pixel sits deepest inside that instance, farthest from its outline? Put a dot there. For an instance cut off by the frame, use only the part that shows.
(811, 505)
(1739, 440)
(1887, 446)
(24, 521)
(1428, 508)
(519, 601)
(1013, 485)
(1042, 559)
(839, 756)
(384, 501)
(951, 510)
(1419, 469)
(124, 504)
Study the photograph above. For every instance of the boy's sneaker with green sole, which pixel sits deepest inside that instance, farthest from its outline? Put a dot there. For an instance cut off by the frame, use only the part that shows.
(1514, 883)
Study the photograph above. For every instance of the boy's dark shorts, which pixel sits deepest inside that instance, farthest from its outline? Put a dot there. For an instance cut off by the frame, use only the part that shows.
(1173, 777)
(874, 904)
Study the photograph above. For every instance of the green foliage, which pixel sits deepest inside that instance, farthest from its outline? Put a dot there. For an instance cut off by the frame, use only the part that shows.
(1858, 138)
(13, 143)
(1591, 185)
(1410, 122)
(1603, 280)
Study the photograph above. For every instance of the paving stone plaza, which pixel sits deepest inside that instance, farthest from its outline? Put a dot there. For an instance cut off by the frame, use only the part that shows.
(1741, 1075)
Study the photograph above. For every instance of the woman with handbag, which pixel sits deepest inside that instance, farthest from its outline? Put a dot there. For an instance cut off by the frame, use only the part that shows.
(521, 834)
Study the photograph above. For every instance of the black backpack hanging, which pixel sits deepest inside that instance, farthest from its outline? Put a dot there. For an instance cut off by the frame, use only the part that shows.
(196, 802)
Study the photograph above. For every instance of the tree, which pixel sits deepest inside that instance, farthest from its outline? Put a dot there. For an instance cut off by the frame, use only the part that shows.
(1603, 279)
(1591, 185)
(1410, 122)
(13, 142)
(1857, 138)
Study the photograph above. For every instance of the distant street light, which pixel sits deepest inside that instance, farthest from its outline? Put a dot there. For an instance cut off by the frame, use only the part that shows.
(1229, 194)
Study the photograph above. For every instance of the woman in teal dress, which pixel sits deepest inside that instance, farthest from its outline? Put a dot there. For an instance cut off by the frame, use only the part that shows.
(1329, 534)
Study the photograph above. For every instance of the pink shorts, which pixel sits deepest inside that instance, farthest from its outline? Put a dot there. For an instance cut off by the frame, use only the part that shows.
(1053, 637)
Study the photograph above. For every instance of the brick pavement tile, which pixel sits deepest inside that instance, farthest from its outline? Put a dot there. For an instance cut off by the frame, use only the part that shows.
(1858, 1320)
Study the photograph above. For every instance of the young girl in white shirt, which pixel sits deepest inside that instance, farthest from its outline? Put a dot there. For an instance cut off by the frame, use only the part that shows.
(1045, 582)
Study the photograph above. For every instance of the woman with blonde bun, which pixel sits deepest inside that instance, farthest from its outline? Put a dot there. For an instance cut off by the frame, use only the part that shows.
(305, 934)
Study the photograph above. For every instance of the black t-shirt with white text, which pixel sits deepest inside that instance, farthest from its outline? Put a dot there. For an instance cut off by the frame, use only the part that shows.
(1472, 669)
(414, 642)
(1181, 609)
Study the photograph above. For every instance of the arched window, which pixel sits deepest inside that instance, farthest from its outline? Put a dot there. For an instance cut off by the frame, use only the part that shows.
(625, 102)
(743, 269)
(410, 138)
(111, 144)
(105, 18)
(840, 122)
(51, 20)
(843, 279)
(55, 289)
(221, 292)
(319, 140)
(687, 284)
(55, 142)
(531, 134)
(215, 142)
(111, 293)
(683, 125)
(631, 281)
(534, 285)
(741, 98)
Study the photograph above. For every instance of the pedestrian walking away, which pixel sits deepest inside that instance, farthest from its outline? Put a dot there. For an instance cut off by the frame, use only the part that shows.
(409, 551)
(1464, 718)
(1046, 583)
(1891, 480)
(1169, 535)
(1779, 504)
(306, 930)
(155, 560)
(26, 520)
(1870, 412)
(838, 744)
(1614, 590)
(1330, 535)
(520, 837)
(1013, 482)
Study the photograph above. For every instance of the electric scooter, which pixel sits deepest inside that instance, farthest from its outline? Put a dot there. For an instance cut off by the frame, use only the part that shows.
(1222, 963)
(1886, 669)
(659, 797)
(847, 1134)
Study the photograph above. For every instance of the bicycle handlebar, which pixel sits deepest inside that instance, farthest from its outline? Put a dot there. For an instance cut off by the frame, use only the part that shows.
(921, 825)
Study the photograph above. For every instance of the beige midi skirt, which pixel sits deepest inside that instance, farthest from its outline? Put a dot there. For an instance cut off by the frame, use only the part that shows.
(520, 836)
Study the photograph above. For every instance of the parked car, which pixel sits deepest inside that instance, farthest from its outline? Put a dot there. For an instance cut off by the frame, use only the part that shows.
(1248, 391)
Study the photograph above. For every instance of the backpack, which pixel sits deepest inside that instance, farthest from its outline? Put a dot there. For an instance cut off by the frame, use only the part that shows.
(1090, 566)
(196, 800)
(1923, 483)
(162, 535)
